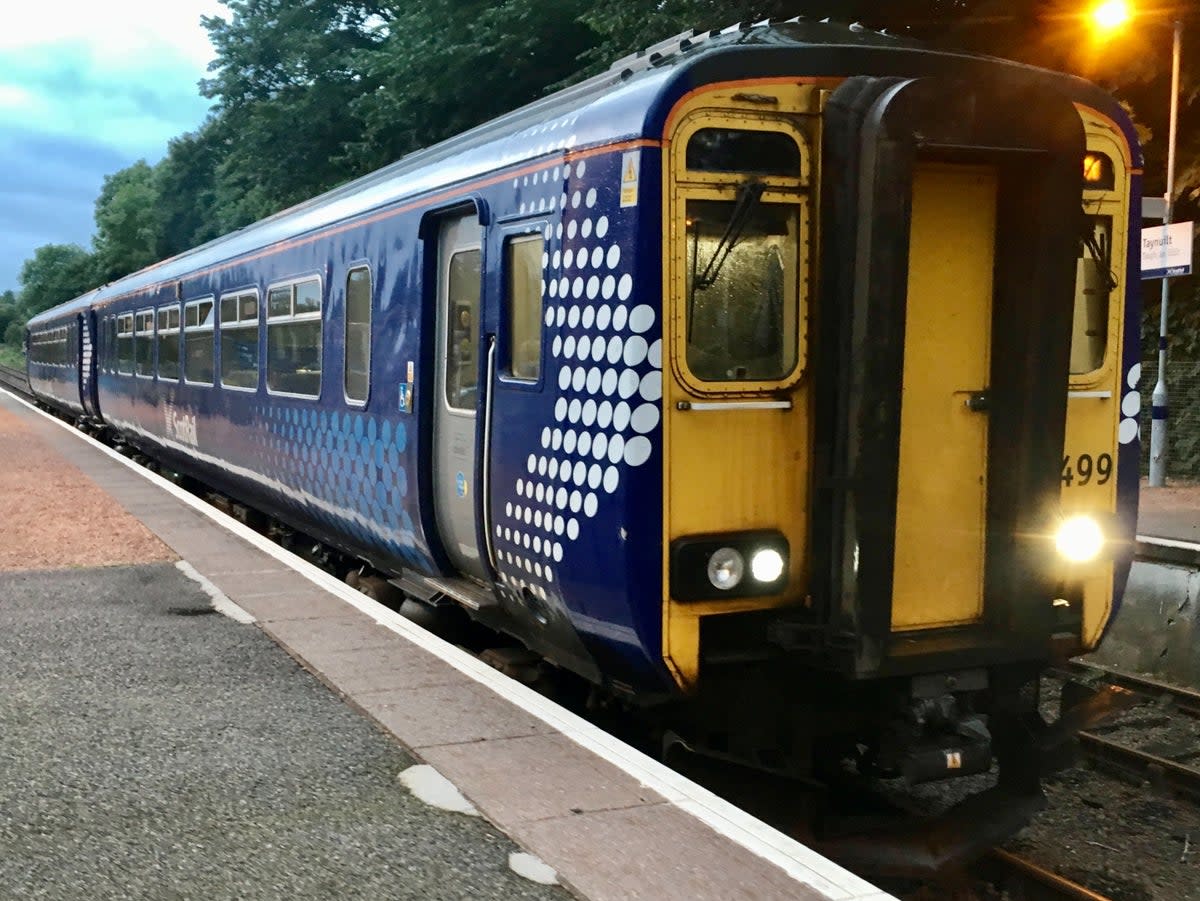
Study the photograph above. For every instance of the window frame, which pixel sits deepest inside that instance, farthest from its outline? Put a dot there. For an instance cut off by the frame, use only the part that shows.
(691, 185)
(443, 339)
(1113, 203)
(139, 332)
(170, 330)
(292, 283)
(184, 328)
(354, 267)
(536, 229)
(219, 371)
(121, 318)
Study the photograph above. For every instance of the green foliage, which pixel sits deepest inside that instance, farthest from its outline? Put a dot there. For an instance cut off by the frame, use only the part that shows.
(14, 335)
(12, 356)
(425, 69)
(54, 274)
(12, 325)
(186, 182)
(285, 79)
(128, 222)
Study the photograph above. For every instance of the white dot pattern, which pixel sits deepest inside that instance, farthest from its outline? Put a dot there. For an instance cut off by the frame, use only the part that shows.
(605, 366)
(1131, 407)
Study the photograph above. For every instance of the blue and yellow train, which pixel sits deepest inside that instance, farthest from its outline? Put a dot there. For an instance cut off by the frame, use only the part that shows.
(785, 376)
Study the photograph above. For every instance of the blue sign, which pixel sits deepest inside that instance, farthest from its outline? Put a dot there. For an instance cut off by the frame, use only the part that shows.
(460, 484)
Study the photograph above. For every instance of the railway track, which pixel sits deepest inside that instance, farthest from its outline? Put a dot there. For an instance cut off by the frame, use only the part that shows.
(1023, 880)
(11, 377)
(1167, 773)
(1185, 700)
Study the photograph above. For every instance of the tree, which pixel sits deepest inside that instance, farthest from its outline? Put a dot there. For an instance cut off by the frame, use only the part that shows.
(186, 184)
(284, 81)
(54, 274)
(128, 223)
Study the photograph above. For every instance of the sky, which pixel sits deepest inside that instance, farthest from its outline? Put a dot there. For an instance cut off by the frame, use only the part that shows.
(88, 88)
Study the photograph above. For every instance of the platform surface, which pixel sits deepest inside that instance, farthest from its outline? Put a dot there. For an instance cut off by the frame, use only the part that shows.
(166, 750)
(1171, 512)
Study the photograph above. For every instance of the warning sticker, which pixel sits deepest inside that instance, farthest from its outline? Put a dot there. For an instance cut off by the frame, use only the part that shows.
(631, 164)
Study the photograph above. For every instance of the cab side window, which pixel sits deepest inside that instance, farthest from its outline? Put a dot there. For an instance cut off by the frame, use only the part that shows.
(523, 263)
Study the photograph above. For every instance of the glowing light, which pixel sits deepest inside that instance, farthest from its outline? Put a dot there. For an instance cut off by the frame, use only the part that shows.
(1080, 539)
(766, 565)
(1111, 14)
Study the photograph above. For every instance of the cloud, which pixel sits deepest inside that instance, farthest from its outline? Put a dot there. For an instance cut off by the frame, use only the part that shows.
(84, 92)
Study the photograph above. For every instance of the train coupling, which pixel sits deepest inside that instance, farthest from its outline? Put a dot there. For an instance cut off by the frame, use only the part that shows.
(935, 734)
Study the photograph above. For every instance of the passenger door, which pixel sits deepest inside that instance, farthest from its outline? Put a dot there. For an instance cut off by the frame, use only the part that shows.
(456, 404)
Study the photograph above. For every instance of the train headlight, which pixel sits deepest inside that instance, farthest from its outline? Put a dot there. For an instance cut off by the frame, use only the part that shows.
(1079, 539)
(728, 565)
(726, 568)
(766, 565)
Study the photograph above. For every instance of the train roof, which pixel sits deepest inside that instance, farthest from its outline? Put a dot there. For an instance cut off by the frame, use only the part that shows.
(620, 103)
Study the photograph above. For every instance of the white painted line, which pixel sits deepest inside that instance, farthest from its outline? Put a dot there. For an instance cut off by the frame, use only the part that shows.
(1169, 542)
(798, 860)
(220, 602)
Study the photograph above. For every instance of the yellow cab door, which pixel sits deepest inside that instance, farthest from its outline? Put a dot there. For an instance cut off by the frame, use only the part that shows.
(736, 405)
(941, 503)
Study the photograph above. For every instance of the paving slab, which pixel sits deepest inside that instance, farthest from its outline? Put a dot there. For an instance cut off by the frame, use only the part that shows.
(559, 778)
(654, 852)
(445, 714)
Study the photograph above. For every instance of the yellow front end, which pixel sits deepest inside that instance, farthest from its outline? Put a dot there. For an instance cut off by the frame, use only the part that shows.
(737, 402)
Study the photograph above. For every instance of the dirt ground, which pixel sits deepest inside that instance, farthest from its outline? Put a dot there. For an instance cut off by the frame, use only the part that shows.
(53, 516)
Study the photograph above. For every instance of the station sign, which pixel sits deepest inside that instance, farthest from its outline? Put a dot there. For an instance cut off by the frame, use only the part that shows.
(1167, 250)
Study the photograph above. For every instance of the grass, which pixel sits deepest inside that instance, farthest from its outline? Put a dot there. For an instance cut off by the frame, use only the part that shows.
(10, 356)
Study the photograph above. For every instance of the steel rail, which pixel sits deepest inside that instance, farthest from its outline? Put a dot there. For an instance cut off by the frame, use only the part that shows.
(1183, 780)
(1185, 700)
(1035, 881)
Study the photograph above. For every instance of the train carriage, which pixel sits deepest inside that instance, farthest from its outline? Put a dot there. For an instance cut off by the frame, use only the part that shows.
(789, 369)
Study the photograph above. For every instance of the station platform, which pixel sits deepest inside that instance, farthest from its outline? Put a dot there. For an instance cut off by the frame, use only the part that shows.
(1171, 512)
(190, 711)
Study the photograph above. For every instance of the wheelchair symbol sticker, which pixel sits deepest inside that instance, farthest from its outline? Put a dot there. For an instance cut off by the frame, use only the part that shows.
(460, 483)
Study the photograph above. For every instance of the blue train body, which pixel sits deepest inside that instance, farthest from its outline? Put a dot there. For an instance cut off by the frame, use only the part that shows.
(569, 490)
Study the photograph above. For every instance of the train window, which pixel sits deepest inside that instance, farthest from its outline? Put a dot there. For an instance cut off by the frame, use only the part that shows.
(358, 334)
(742, 289)
(743, 150)
(462, 332)
(294, 338)
(143, 343)
(198, 342)
(1093, 285)
(125, 343)
(239, 341)
(168, 342)
(1098, 174)
(524, 262)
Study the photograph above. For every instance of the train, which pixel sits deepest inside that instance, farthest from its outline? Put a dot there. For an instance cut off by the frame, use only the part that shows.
(783, 379)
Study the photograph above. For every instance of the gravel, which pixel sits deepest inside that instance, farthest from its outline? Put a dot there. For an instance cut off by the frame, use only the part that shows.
(154, 749)
(1130, 842)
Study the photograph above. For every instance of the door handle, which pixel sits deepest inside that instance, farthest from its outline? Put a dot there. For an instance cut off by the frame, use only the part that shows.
(486, 450)
(978, 401)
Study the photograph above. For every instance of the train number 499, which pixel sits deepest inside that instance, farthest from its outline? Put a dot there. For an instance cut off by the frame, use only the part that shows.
(1085, 467)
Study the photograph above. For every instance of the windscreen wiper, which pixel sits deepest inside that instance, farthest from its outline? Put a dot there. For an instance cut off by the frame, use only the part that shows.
(747, 199)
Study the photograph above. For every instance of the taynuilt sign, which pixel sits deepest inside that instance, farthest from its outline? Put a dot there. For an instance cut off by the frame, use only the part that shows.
(1167, 250)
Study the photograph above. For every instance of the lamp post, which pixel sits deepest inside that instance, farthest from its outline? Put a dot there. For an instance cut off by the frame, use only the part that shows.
(1158, 400)
(1108, 16)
